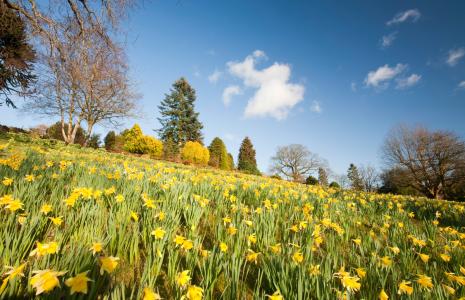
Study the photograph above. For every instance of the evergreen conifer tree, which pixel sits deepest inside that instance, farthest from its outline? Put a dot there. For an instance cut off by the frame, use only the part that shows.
(178, 119)
(246, 160)
(354, 177)
(230, 161)
(218, 154)
(16, 55)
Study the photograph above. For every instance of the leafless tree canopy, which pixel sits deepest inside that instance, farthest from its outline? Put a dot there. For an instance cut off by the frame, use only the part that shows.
(370, 178)
(434, 160)
(83, 76)
(295, 162)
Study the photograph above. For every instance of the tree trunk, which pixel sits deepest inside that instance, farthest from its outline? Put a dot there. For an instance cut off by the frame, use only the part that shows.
(90, 126)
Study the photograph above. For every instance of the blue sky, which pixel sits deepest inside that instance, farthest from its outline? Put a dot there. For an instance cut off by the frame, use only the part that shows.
(308, 72)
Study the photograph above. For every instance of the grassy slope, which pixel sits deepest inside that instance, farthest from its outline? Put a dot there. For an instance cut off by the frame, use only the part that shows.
(194, 202)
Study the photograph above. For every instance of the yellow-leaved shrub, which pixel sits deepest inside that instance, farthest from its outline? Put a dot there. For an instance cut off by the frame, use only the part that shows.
(136, 142)
(194, 152)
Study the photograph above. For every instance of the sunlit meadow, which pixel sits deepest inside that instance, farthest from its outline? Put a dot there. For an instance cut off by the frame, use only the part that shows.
(88, 224)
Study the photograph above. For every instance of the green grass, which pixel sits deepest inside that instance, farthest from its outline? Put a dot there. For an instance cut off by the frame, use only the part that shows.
(194, 202)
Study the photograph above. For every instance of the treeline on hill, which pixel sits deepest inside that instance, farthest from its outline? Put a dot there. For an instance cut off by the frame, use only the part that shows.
(181, 139)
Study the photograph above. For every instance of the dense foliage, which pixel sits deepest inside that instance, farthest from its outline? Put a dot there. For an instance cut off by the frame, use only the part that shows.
(195, 153)
(136, 142)
(219, 155)
(54, 132)
(16, 55)
(110, 140)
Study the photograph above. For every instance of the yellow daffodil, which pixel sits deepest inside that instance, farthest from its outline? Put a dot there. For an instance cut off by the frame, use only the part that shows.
(56, 220)
(12, 274)
(183, 278)
(45, 280)
(134, 216)
(223, 247)
(276, 296)
(7, 181)
(424, 257)
(78, 283)
(96, 248)
(297, 257)
(44, 249)
(252, 256)
(108, 264)
(194, 293)
(149, 294)
(424, 281)
(46, 208)
(383, 295)
(159, 233)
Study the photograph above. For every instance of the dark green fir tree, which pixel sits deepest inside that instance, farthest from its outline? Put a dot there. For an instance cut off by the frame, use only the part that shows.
(178, 118)
(246, 161)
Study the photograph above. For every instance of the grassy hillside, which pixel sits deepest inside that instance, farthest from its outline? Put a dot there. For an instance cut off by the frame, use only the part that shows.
(135, 226)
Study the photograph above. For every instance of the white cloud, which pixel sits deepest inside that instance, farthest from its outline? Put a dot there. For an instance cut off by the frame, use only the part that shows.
(413, 14)
(215, 76)
(403, 83)
(211, 52)
(353, 86)
(461, 85)
(230, 92)
(381, 76)
(230, 137)
(275, 96)
(387, 40)
(454, 56)
(316, 107)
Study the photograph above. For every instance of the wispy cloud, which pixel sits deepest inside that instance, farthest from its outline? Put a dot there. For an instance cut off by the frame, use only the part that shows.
(274, 95)
(461, 85)
(211, 52)
(404, 83)
(411, 14)
(353, 86)
(387, 40)
(454, 56)
(230, 92)
(316, 107)
(380, 77)
(215, 76)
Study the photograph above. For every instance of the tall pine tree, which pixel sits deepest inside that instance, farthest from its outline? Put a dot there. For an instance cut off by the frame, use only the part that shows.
(354, 177)
(179, 121)
(246, 160)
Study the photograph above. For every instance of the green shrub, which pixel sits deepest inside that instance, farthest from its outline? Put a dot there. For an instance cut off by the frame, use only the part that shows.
(334, 185)
(54, 132)
(194, 152)
(110, 140)
(311, 180)
(94, 141)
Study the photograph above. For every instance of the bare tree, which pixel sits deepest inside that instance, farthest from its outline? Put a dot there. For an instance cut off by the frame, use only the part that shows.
(106, 92)
(295, 162)
(83, 73)
(433, 159)
(370, 178)
(342, 180)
